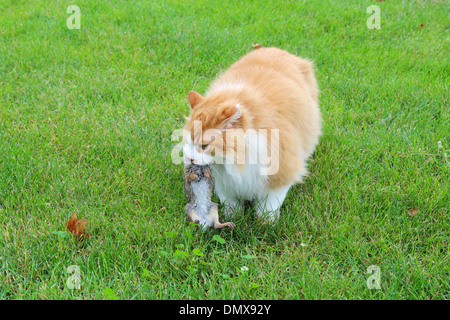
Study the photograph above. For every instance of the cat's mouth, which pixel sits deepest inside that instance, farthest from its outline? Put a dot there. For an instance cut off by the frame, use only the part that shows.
(202, 162)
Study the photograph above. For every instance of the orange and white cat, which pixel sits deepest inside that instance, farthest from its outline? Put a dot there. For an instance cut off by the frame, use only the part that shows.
(256, 126)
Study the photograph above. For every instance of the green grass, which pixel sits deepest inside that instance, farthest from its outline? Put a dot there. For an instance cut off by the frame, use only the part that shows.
(86, 118)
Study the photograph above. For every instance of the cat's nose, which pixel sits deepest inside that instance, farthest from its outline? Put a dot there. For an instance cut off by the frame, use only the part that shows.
(192, 160)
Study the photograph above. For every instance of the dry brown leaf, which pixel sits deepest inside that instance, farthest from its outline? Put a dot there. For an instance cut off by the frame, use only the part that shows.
(76, 226)
(413, 211)
(256, 46)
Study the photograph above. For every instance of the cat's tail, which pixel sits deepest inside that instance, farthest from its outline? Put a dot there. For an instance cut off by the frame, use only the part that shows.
(306, 67)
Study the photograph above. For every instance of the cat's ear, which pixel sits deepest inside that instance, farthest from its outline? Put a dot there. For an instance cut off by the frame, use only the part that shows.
(232, 116)
(194, 98)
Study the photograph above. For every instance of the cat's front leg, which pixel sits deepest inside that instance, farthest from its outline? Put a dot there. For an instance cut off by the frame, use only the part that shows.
(268, 208)
(230, 206)
(228, 200)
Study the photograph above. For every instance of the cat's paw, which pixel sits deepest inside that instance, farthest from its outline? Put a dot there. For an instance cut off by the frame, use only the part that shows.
(268, 219)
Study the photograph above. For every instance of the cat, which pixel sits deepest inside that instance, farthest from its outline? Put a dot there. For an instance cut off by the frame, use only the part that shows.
(256, 126)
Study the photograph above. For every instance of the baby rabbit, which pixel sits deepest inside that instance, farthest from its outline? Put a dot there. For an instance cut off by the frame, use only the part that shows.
(199, 187)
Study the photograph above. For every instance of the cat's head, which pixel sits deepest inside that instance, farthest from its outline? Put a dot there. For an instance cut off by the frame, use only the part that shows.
(213, 129)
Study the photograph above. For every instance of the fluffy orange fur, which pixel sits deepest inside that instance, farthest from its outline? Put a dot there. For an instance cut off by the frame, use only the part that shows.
(274, 90)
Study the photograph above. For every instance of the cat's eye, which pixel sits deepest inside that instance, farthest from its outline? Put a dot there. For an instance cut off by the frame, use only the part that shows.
(204, 146)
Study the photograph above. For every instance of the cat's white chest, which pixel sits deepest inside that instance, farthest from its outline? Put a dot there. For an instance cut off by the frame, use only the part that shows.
(250, 184)
(232, 183)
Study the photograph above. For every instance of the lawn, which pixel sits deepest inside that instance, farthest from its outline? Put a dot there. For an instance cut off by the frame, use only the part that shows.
(86, 118)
